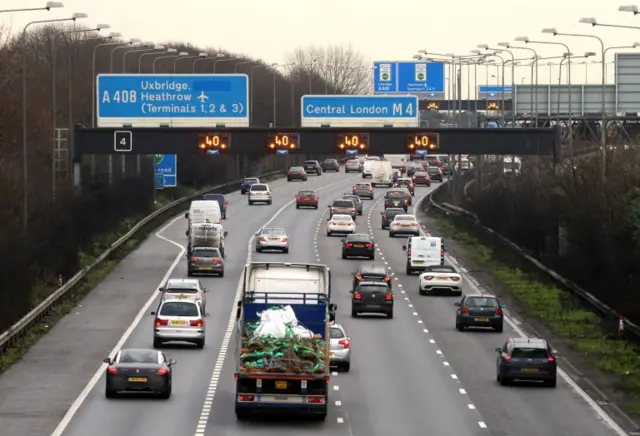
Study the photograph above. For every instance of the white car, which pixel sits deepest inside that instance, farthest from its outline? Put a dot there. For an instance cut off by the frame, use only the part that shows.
(440, 278)
(260, 193)
(341, 224)
(404, 224)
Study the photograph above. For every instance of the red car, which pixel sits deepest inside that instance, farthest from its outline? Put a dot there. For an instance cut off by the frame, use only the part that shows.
(306, 199)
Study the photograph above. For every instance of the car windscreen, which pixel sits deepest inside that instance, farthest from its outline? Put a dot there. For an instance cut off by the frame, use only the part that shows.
(530, 353)
(259, 188)
(138, 356)
(336, 333)
(179, 308)
(212, 252)
(343, 203)
(395, 194)
(358, 238)
(482, 302)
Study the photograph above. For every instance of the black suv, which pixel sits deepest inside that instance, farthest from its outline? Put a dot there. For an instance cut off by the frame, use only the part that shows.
(396, 198)
(371, 273)
(389, 214)
(312, 166)
(358, 245)
(331, 165)
(356, 200)
(526, 359)
(372, 297)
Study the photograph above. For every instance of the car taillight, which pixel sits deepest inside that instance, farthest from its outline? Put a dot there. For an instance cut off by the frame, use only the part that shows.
(262, 239)
(355, 189)
(315, 197)
(344, 343)
(194, 259)
(289, 173)
(216, 259)
(358, 277)
(413, 178)
(409, 252)
(369, 245)
(331, 209)
(388, 297)
(370, 189)
(268, 194)
(455, 278)
(507, 357)
(442, 252)
(349, 244)
(353, 209)
(111, 370)
(357, 296)
(498, 312)
(161, 322)
(387, 278)
(285, 239)
(162, 371)
(551, 359)
(414, 224)
(195, 323)
(465, 310)
(428, 277)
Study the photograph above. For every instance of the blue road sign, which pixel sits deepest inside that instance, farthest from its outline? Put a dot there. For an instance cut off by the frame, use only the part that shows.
(213, 96)
(421, 152)
(401, 77)
(351, 152)
(167, 166)
(360, 106)
(495, 91)
(159, 181)
(282, 151)
(213, 151)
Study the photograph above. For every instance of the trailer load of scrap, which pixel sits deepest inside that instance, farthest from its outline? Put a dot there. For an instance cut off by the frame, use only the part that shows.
(278, 343)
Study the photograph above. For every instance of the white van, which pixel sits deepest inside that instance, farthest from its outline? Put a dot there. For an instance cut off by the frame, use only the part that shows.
(423, 251)
(202, 212)
(382, 174)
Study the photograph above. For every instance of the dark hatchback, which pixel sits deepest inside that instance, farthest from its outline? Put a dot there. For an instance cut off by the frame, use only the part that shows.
(396, 198)
(205, 260)
(412, 168)
(436, 174)
(312, 167)
(356, 200)
(358, 245)
(371, 273)
(222, 201)
(331, 165)
(246, 184)
(296, 173)
(479, 310)
(138, 371)
(389, 214)
(526, 359)
(421, 178)
(372, 297)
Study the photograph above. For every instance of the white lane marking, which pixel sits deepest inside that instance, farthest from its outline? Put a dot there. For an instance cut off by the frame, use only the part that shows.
(482, 424)
(66, 419)
(445, 363)
(471, 406)
(336, 388)
(338, 403)
(462, 391)
(340, 420)
(563, 374)
(453, 376)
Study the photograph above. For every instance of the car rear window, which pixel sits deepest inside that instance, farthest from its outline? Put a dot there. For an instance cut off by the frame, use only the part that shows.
(441, 269)
(359, 238)
(363, 185)
(138, 356)
(341, 218)
(373, 288)
(306, 193)
(405, 218)
(395, 194)
(179, 308)
(422, 173)
(259, 188)
(353, 198)
(372, 158)
(530, 353)
(391, 213)
(272, 232)
(343, 203)
(182, 291)
(336, 333)
(298, 169)
(482, 302)
(330, 161)
(373, 270)
(251, 180)
(212, 252)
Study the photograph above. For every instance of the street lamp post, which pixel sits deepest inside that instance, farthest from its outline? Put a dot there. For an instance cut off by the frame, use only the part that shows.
(513, 75)
(222, 58)
(173, 56)
(533, 71)
(47, 7)
(251, 100)
(144, 50)
(275, 67)
(160, 48)
(112, 36)
(133, 43)
(237, 65)
(203, 57)
(175, 62)
(618, 47)
(603, 133)
(25, 169)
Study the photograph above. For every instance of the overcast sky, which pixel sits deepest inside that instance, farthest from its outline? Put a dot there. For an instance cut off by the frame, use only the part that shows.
(381, 30)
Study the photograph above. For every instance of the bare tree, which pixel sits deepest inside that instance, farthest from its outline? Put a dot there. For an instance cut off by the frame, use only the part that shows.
(342, 69)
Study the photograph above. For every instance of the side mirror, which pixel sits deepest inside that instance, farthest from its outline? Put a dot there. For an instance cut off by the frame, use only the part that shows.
(555, 352)
(107, 360)
(351, 291)
(382, 213)
(332, 316)
(225, 234)
(186, 215)
(161, 289)
(172, 362)
(152, 313)
(498, 350)
(404, 248)
(457, 303)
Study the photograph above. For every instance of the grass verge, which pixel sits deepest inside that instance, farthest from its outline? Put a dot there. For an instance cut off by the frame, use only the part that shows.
(579, 327)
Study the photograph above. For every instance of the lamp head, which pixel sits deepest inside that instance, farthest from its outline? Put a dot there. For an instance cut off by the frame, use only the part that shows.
(503, 44)
(475, 51)
(589, 53)
(422, 51)
(134, 41)
(53, 5)
(588, 20)
(417, 57)
(102, 26)
(114, 35)
(158, 47)
(635, 44)
(172, 50)
(183, 53)
(524, 39)
(629, 8)
(203, 55)
(567, 54)
(484, 46)
(551, 30)
(78, 16)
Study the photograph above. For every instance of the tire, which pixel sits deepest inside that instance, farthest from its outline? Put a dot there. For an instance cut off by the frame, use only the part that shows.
(390, 315)
(421, 292)
(285, 250)
(392, 235)
(346, 366)
(354, 314)
(288, 179)
(498, 377)
(258, 250)
(250, 203)
(108, 393)
(189, 273)
(552, 383)
(344, 256)
(166, 393)
(297, 206)
(372, 257)
(503, 381)
(269, 202)
(242, 415)
(315, 207)
(499, 329)
(409, 271)
(459, 327)
(221, 274)
(200, 344)
(157, 343)
(328, 233)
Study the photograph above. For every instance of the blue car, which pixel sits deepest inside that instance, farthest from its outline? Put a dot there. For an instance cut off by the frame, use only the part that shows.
(246, 184)
(221, 201)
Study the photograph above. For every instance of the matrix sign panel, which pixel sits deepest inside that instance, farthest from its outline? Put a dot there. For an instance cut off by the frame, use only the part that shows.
(281, 143)
(353, 141)
(422, 141)
(214, 143)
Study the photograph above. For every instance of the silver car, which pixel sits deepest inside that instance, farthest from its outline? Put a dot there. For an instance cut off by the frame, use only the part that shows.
(178, 321)
(353, 165)
(205, 260)
(272, 239)
(340, 346)
(185, 289)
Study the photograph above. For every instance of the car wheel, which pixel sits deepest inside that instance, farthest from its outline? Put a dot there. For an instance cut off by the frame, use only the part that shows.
(500, 328)
(354, 314)
(269, 202)
(258, 250)
(421, 292)
(315, 207)
(189, 273)
(297, 206)
(503, 380)
(409, 270)
(200, 344)
(328, 233)
(459, 327)
(372, 257)
(250, 203)
(242, 415)
(552, 383)
(285, 250)
(221, 274)
(392, 235)
(288, 179)
(498, 376)
(390, 315)
(344, 256)
(110, 393)
(157, 343)
(166, 392)
(346, 366)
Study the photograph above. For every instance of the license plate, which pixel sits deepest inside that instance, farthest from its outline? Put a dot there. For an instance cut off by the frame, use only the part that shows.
(274, 239)
(206, 267)
(281, 384)
(481, 319)
(178, 323)
(358, 245)
(137, 379)
(332, 354)
(529, 369)
(418, 262)
(442, 278)
(404, 225)
(395, 203)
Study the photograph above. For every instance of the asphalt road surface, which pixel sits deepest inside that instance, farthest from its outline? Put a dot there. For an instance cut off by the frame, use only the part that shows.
(411, 375)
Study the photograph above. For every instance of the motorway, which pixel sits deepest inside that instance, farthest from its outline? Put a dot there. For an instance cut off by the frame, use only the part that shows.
(411, 375)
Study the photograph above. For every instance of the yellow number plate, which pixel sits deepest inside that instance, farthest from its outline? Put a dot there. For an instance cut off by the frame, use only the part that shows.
(332, 354)
(281, 384)
(206, 268)
(137, 379)
(481, 319)
(418, 262)
(529, 369)
(178, 323)
(358, 245)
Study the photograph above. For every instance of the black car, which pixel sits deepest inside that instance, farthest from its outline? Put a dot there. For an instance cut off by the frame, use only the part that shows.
(422, 178)
(312, 167)
(389, 214)
(330, 165)
(479, 310)
(296, 173)
(436, 174)
(371, 273)
(396, 198)
(138, 371)
(358, 245)
(372, 297)
(356, 200)
(526, 359)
